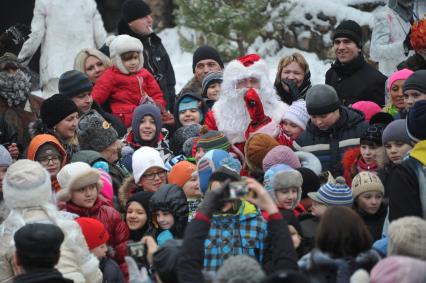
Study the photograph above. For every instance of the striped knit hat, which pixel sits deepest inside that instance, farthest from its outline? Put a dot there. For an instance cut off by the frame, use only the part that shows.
(213, 140)
(333, 193)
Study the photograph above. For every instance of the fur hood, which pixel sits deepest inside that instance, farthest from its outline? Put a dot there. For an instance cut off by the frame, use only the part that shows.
(126, 190)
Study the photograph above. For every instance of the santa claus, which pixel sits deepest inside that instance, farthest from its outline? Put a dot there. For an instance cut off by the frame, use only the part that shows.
(247, 102)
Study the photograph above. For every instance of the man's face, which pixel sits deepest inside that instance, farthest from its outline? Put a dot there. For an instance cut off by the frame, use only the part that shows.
(142, 26)
(345, 49)
(206, 66)
(325, 121)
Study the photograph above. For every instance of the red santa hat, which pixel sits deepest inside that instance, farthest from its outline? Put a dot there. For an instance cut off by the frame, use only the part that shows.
(251, 65)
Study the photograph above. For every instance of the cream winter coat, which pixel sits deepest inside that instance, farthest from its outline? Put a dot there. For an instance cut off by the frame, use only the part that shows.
(76, 261)
(62, 28)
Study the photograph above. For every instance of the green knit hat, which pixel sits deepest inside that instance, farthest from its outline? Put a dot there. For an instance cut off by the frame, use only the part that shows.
(213, 140)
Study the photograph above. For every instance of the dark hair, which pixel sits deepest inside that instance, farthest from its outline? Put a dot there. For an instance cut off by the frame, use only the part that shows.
(342, 233)
(128, 55)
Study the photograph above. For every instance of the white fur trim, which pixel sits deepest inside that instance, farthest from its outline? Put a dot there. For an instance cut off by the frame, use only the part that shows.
(310, 161)
(271, 129)
(122, 44)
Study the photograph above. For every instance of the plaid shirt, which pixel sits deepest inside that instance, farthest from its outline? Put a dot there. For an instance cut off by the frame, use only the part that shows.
(243, 233)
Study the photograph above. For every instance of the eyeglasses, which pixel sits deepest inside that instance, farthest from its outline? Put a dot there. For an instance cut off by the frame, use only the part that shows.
(151, 176)
(45, 160)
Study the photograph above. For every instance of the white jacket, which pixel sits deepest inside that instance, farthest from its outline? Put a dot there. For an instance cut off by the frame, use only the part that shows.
(63, 28)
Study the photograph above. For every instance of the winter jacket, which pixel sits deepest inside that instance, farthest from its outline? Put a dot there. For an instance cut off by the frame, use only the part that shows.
(111, 271)
(329, 145)
(407, 185)
(84, 29)
(7, 132)
(117, 229)
(321, 267)
(75, 263)
(157, 62)
(114, 121)
(374, 222)
(357, 81)
(126, 92)
(308, 227)
(42, 276)
(202, 107)
(192, 86)
(243, 233)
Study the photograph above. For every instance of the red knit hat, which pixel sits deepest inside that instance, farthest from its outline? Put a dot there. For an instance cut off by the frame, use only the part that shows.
(94, 231)
(181, 173)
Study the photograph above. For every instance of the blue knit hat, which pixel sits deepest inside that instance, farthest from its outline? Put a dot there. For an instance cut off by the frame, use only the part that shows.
(333, 193)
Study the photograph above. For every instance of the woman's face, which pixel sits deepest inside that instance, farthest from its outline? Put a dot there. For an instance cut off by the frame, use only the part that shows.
(370, 153)
(136, 216)
(370, 201)
(294, 72)
(397, 150)
(94, 68)
(147, 128)
(396, 94)
(66, 128)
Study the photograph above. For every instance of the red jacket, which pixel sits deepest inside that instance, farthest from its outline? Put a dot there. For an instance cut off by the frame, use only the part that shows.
(124, 93)
(117, 229)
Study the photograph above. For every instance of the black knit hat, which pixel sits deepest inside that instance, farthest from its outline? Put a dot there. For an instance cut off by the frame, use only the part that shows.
(416, 81)
(373, 134)
(205, 52)
(73, 83)
(56, 108)
(351, 30)
(322, 99)
(134, 9)
(416, 121)
(311, 182)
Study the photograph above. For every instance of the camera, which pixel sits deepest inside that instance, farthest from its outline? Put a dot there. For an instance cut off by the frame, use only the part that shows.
(238, 189)
(136, 250)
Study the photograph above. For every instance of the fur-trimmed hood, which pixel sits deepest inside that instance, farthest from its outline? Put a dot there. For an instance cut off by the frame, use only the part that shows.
(125, 43)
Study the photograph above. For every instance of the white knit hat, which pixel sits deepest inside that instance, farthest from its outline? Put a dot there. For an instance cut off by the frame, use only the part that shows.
(122, 44)
(75, 176)
(143, 159)
(407, 236)
(297, 113)
(5, 158)
(26, 184)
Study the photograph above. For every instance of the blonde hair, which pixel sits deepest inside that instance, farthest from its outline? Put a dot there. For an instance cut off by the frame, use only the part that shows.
(80, 59)
(287, 60)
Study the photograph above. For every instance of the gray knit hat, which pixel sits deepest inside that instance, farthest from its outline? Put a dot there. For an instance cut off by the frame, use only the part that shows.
(240, 268)
(73, 83)
(322, 99)
(396, 131)
(94, 132)
(209, 79)
(5, 158)
(407, 236)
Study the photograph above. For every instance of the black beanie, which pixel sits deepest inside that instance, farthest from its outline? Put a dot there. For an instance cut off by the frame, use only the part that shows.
(134, 9)
(351, 30)
(373, 134)
(205, 52)
(311, 182)
(416, 81)
(416, 121)
(56, 108)
(322, 99)
(73, 83)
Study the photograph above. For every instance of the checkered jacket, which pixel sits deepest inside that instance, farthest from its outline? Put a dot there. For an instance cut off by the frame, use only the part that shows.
(243, 233)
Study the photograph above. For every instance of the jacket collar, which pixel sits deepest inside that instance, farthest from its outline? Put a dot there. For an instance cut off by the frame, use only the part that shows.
(346, 70)
(419, 152)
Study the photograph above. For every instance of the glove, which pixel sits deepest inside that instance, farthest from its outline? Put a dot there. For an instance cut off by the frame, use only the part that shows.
(293, 89)
(136, 275)
(213, 201)
(256, 112)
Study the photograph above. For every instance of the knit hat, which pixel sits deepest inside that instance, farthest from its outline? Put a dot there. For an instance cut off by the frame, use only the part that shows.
(143, 198)
(213, 140)
(418, 36)
(322, 99)
(187, 148)
(399, 269)
(205, 52)
(209, 79)
(139, 113)
(297, 113)
(396, 131)
(381, 118)
(125, 43)
(240, 268)
(38, 241)
(270, 174)
(280, 154)
(188, 102)
(144, 158)
(94, 132)
(351, 30)
(311, 181)
(333, 193)
(5, 158)
(256, 148)
(181, 135)
(416, 120)
(407, 236)
(26, 184)
(56, 108)
(73, 83)
(399, 75)
(416, 81)
(181, 173)
(210, 162)
(134, 9)
(74, 176)
(373, 134)
(173, 161)
(366, 181)
(94, 231)
(369, 108)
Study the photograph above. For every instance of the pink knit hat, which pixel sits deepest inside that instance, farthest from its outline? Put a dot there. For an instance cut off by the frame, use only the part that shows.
(369, 108)
(399, 75)
(281, 154)
(107, 190)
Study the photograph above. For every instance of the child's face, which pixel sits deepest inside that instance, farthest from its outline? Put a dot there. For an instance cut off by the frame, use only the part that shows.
(135, 216)
(370, 153)
(213, 91)
(291, 129)
(147, 128)
(295, 237)
(153, 178)
(370, 201)
(164, 219)
(100, 251)
(397, 150)
(85, 197)
(132, 64)
(286, 197)
(189, 117)
(318, 209)
(200, 152)
(191, 187)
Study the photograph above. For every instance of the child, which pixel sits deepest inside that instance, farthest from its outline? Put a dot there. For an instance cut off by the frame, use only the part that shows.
(169, 210)
(190, 109)
(211, 87)
(294, 122)
(80, 189)
(127, 84)
(96, 238)
(138, 216)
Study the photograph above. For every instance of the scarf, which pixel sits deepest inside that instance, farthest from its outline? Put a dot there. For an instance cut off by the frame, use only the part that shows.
(15, 88)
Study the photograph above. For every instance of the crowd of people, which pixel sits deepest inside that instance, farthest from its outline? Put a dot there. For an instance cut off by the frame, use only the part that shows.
(113, 177)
